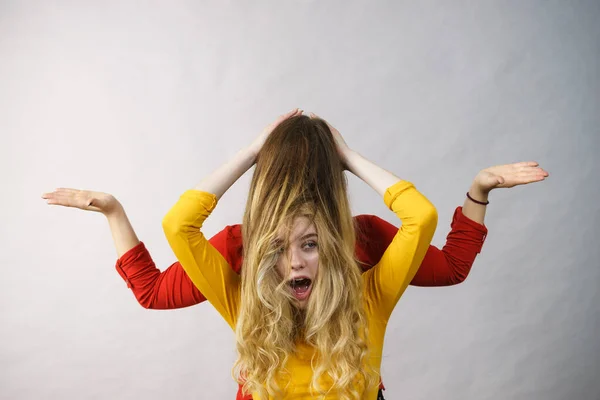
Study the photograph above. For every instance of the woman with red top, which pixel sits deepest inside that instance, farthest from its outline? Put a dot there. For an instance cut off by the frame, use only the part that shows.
(173, 289)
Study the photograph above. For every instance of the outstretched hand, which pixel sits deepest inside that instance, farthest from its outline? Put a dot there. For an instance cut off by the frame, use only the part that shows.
(509, 175)
(258, 143)
(83, 199)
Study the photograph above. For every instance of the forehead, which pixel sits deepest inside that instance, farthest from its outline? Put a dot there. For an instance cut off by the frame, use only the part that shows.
(301, 226)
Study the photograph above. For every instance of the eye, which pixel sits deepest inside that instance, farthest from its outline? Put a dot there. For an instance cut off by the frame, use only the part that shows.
(310, 245)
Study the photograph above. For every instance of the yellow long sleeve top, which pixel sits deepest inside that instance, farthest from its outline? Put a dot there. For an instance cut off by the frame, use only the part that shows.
(383, 284)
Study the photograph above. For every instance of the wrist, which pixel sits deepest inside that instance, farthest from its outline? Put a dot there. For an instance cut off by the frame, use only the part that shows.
(115, 211)
(349, 158)
(479, 193)
(250, 153)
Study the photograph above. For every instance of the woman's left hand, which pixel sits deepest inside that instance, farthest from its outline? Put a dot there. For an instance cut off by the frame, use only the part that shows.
(509, 175)
(340, 143)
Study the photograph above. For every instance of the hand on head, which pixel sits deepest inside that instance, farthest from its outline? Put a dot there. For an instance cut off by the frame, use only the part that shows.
(260, 140)
(341, 145)
(258, 143)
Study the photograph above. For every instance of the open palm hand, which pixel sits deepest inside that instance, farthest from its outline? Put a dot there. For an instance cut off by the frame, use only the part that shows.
(510, 175)
(83, 199)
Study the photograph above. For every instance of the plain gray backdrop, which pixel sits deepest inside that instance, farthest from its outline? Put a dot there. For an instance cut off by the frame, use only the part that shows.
(141, 99)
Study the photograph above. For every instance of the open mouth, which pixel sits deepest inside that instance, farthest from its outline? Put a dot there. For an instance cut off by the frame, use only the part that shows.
(300, 287)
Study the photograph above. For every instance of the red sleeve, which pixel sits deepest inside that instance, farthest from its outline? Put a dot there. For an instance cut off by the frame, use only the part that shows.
(445, 267)
(172, 288)
(240, 395)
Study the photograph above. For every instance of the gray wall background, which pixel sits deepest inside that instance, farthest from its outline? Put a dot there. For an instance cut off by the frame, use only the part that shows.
(142, 99)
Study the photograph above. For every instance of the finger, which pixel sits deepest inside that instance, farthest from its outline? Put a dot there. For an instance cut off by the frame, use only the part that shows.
(527, 164)
(528, 178)
(71, 204)
(51, 195)
(60, 201)
(67, 200)
(531, 179)
(524, 164)
(540, 171)
(68, 190)
(527, 171)
(519, 177)
(60, 190)
(290, 113)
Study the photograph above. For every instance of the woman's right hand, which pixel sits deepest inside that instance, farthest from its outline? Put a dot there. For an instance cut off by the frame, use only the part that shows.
(87, 200)
(257, 144)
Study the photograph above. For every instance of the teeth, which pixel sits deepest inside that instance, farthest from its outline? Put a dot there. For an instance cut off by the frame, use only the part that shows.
(300, 282)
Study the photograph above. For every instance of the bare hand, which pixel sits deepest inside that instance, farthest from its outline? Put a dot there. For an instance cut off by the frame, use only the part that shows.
(340, 143)
(509, 175)
(83, 199)
(258, 143)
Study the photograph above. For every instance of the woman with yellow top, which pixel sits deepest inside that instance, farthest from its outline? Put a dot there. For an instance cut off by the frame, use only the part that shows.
(308, 322)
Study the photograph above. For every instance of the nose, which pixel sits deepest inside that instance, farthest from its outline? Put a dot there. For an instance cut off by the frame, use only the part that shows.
(296, 260)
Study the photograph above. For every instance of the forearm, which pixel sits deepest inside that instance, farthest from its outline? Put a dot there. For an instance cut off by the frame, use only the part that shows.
(404, 255)
(375, 176)
(204, 265)
(451, 265)
(472, 210)
(223, 177)
(122, 232)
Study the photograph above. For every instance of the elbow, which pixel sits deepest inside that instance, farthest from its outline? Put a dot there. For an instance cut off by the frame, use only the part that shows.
(171, 225)
(459, 278)
(429, 218)
(145, 304)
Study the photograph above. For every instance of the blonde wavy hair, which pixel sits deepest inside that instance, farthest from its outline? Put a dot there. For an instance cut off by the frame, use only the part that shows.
(299, 173)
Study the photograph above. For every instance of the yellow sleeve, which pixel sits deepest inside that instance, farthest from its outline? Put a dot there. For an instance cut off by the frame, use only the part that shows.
(205, 266)
(385, 283)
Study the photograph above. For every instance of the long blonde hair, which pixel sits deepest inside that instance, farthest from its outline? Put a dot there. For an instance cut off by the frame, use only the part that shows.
(299, 173)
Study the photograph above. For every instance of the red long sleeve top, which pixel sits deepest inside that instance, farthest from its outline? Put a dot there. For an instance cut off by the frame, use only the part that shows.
(172, 288)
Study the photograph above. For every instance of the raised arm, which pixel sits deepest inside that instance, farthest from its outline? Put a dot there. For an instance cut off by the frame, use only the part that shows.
(386, 282)
(223, 177)
(172, 288)
(452, 264)
(449, 265)
(204, 265)
(389, 278)
(182, 225)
